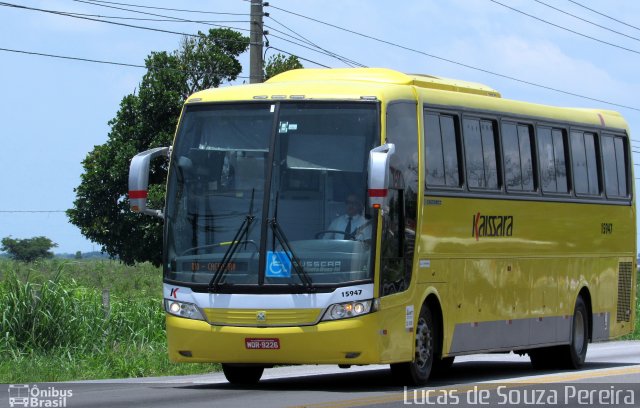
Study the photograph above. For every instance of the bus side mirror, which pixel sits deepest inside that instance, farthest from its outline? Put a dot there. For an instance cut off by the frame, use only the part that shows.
(139, 180)
(379, 174)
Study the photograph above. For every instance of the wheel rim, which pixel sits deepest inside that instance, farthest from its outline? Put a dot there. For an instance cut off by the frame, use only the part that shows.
(423, 343)
(578, 333)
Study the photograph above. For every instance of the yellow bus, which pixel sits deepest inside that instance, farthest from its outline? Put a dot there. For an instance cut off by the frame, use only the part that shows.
(361, 216)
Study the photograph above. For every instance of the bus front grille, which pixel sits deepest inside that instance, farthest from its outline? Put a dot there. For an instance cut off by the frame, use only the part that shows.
(262, 318)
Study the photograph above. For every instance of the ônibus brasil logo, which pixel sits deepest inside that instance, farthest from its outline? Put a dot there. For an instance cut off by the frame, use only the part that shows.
(491, 226)
(24, 395)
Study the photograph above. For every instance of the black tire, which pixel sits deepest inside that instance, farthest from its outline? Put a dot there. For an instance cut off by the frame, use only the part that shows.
(545, 358)
(242, 375)
(573, 355)
(417, 372)
(441, 366)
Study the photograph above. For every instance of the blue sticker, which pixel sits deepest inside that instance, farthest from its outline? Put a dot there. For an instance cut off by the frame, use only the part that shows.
(278, 265)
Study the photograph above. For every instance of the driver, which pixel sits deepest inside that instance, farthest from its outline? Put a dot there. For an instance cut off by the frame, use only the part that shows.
(352, 224)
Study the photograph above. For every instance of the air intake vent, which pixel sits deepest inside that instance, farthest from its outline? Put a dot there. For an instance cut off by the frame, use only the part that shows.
(624, 291)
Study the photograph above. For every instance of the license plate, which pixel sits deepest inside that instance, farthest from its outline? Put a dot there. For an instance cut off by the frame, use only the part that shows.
(262, 344)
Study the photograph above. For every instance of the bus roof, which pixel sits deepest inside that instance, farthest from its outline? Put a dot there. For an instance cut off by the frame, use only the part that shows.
(384, 76)
(382, 83)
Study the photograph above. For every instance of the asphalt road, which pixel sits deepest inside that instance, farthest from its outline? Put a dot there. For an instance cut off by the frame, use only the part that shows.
(611, 377)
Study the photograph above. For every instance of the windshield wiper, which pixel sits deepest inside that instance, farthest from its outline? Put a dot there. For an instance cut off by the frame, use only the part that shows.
(221, 270)
(278, 233)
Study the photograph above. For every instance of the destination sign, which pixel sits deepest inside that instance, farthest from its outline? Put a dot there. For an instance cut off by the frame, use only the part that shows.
(199, 266)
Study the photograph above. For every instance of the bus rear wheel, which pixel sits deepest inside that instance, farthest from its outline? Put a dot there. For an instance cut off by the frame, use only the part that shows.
(417, 371)
(242, 375)
(573, 355)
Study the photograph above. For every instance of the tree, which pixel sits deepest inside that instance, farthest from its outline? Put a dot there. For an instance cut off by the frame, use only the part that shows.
(278, 64)
(144, 121)
(28, 249)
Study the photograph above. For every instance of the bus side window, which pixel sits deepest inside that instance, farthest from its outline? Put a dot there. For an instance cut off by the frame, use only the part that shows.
(552, 160)
(585, 155)
(615, 166)
(442, 150)
(518, 158)
(480, 151)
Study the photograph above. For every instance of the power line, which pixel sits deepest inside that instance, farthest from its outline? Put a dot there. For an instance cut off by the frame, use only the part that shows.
(486, 71)
(307, 47)
(66, 57)
(604, 15)
(172, 9)
(587, 21)
(565, 28)
(94, 3)
(30, 211)
(341, 58)
(299, 57)
(108, 22)
(166, 20)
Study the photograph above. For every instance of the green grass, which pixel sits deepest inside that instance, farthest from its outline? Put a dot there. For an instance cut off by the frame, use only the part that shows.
(636, 333)
(54, 326)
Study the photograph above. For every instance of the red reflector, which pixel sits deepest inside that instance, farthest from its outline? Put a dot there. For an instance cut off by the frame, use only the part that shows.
(136, 194)
(377, 192)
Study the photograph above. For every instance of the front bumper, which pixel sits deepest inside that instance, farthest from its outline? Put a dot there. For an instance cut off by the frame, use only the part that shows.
(349, 341)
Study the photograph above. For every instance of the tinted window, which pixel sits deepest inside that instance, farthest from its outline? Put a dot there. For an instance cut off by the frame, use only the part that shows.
(610, 167)
(489, 150)
(560, 157)
(433, 154)
(479, 147)
(399, 223)
(614, 160)
(551, 157)
(441, 150)
(592, 163)
(518, 161)
(585, 163)
(526, 160)
(579, 161)
(622, 159)
(547, 161)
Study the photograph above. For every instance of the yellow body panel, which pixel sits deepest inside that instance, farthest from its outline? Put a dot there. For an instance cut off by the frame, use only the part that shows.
(531, 275)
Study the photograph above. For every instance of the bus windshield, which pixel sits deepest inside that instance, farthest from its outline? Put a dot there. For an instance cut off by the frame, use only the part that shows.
(266, 194)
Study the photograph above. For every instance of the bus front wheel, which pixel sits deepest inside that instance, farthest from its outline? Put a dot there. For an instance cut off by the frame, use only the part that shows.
(242, 375)
(417, 371)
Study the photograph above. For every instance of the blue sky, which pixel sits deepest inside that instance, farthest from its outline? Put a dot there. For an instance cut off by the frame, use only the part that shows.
(54, 111)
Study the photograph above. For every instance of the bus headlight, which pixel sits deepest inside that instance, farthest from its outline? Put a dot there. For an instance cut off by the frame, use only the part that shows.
(182, 309)
(346, 310)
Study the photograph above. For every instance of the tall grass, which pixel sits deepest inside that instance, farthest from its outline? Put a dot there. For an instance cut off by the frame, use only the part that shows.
(52, 327)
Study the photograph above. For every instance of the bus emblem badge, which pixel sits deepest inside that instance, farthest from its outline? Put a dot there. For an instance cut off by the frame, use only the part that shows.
(261, 316)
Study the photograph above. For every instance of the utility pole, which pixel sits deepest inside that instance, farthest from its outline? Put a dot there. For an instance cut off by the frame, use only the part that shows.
(255, 43)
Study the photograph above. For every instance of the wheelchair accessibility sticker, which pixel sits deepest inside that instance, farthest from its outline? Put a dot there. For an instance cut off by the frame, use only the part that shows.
(278, 265)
